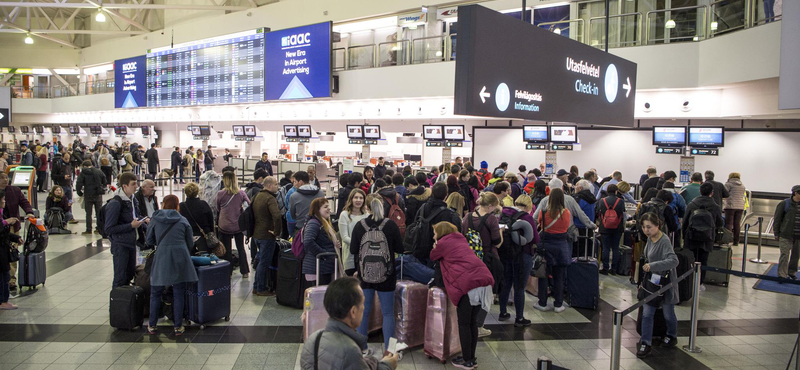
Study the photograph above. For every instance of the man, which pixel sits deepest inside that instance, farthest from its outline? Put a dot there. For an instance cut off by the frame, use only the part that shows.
(146, 201)
(91, 186)
(122, 222)
(652, 180)
(692, 190)
(483, 174)
(265, 164)
(591, 177)
(152, 161)
(267, 228)
(350, 182)
(14, 200)
(300, 200)
(209, 159)
(787, 232)
(459, 162)
(586, 201)
(227, 157)
(26, 159)
(563, 175)
(719, 188)
(502, 189)
(312, 176)
(701, 248)
(616, 177)
(338, 346)
(253, 188)
(175, 163)
(436, 203)
(569, 203)
(380, 169)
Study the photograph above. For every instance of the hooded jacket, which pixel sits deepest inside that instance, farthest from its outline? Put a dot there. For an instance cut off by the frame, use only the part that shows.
(735, 189)
(172, 263)
(175, 160)
(389, 194)
(339, 348)
(91, 183)
(697, 203)
(586, 200)
(414, 200)
(300, 202)
(119, 215)
(462, 270)
(344, 194)
(252, 189)
(423, 251)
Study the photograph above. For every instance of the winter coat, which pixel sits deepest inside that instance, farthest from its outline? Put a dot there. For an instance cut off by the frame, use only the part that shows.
(152, 160)
(346, 225)
(414, 200)
(572, 206)
(380, 171)
(26, 158)
(601, 208)
(735, 189)
(587, 201)
(516, 190)
(316, 241)
(91, 183)
(230, 207)
(527, 248)
(300, 202)
(344, 194)
(60, 170)
(175, 160)
(14, 201)
(339, 349)
(470, 195)
(43, 165)
(119, 215)
(423, 251)
(650, 183)
(199, 215)
(267, 166)
(678, 205)
(662, 259)
(62, 203)
(401, 191)
(395, 240)
(784, 224)
(462, 270)
(390, 195)
(720, 192)
(141, 206)
(172, 263)
(288, 214)
(697, 203)
(252, 189)
(689, 192)
(268, 217)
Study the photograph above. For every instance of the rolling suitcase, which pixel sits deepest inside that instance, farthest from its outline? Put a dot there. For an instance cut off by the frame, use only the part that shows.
(314, 315)
(272, 272)
(685, 263)
(659, 323)
(720, 258)
(583, 279)
(290, 280)
(410, 304)
(126, 307)
(626, 256)
(32, 270)
(210, 298)
(441, 327)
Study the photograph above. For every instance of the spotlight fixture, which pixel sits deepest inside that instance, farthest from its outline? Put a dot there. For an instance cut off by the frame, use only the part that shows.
(29, 39)
(100, 17)
(670, 24)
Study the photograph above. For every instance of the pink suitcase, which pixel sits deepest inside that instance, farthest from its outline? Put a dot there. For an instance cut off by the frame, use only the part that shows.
(410, 306)
(441, 327)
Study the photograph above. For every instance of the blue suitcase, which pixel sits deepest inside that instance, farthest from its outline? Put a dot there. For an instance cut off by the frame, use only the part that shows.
(210, 298)
(32, 270)
(583, 279)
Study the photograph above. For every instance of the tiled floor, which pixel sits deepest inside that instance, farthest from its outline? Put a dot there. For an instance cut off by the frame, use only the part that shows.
(64, 325)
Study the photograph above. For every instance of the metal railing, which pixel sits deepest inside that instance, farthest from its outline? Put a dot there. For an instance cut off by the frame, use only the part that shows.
(575, 32)
(394, 53)
(623, 31)
(675, 29)
(431, 49)
(727, 16)
(75, 89)
(360, 57)
(339, 59)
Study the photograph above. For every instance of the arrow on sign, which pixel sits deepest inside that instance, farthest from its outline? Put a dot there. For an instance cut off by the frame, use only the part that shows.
(483, 94)
(1, 116)
(627, 87)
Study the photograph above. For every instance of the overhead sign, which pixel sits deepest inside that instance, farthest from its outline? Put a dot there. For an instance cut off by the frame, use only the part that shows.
(561, 147)
(551, 78)
(669, 150)
(5, 106)
(130, 90)
(712, 151)
(535, 146)
(297, 63)
(5, 117)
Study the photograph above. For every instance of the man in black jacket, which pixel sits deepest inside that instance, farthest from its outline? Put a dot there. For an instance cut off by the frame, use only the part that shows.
(91, 186)
(380, 169)
(121, 224)
(208, 159)
(175, 163)
(152, 160)
(719, 188)
(704, 201)
(434, 204)
(344, 192)
(652, 180)
(265, 163)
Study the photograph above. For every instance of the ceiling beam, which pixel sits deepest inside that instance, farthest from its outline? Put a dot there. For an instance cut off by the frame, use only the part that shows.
(70, 19)
(124, 6)
(76, 32)
(40, 35)
(120, 16)
(63, 81)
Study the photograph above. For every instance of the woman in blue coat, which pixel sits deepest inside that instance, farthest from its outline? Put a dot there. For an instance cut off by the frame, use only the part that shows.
(172, 265)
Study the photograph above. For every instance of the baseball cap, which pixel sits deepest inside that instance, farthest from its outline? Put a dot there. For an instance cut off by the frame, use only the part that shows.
(562, 172)
(499, 172)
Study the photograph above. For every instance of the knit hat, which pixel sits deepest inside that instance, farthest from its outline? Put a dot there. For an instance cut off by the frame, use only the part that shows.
(796, 189)
(499, 172)
(484, 164)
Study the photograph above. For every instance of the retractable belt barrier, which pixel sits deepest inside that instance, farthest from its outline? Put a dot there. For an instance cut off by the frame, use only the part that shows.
(751, 275)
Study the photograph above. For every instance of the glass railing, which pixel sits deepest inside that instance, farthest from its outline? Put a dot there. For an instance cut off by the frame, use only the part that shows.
(676, 25)
(573, 29)
(60, 91)
(30, 92)
(624, 30)
(394, 53)
(339, 59)
(360, 57)
(430, 49)
(727, 16)
(765, 11)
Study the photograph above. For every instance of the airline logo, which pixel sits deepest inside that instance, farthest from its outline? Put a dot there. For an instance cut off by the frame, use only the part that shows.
(129, 67)
(298, 40)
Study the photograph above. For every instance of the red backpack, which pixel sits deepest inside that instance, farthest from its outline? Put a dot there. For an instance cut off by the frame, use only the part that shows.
(610, 218)
(396, 214)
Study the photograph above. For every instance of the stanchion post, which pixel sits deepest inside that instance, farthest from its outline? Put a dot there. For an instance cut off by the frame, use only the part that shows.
(744, 248)
(797, 345)
(760, 239)
(616, 340)
(692, 347)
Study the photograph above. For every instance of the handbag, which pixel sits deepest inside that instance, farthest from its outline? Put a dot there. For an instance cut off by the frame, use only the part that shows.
(648, 287)
(539, 269)
(212, 242)
(148, 259)
(13, 255)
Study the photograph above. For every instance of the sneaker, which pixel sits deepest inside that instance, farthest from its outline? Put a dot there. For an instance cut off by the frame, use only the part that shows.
(73, 221)
(644, 350)
(542, 308)
(603, 272)
(8, 306)
(265, 293)
(504, 316)
(460, 363)
(368, 352)
(522, 322)
(245, 276)
(86, 233)
(483, 332)
(560, 309)
(702, 288)
(151, 330)
(180, 331)
(669, 342)
(793, 277)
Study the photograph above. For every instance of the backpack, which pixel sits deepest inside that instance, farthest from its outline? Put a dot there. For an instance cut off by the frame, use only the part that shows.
(610, 218)
(184, 162)
(473, 235)
(37, 162)
(482, 176)
(510, 249)
(281, 198)
(55, 222)
(298, 250)
(418, 232)
(701, 226)
(101, 219)
(786, 204)
(397, 215)
(36, 239)
(375, 258)
(247, 221)
(657, 207)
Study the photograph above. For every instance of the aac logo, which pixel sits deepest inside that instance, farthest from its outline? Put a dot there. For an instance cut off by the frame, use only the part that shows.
(299, 39)
(130, 66)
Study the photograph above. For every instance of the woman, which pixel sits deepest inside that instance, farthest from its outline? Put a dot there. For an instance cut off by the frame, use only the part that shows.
(187, 169)
(56, 198)
(3, 161)
(229, 203)
(517, 271)
(661, 260)
(456, 202)
(199, 215)
(515, 187)
(387, 230)
(468, 284)
(469, 185)
(574, 175)
(105, 164)
(555, 220)
(318, 237)
(485, 222)
(41, 172)
(353, 212)
(452, 185)
(538, 192)
(610, 237)
(734, 205)
(199, 167)
(6, 240)
(172, 263)
(368, 180)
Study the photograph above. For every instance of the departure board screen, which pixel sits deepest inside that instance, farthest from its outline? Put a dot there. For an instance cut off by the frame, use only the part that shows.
(226, 69)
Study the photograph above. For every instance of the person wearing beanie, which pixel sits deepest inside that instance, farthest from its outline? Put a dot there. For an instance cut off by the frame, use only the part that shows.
(787, 232)
(483, 174)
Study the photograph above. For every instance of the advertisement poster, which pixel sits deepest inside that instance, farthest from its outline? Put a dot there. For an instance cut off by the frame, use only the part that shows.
(130, 90)
(298, 63)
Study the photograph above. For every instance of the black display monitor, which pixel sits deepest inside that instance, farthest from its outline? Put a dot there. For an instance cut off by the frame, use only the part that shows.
(120, 130)
(432, 132)
(355, 132)
(535, 134)
(564, 134)
(205, 130)
(415, 158)
(38, 129)
(454, 132)
(11, 129)
(145, 130)
(283, 151)
(25, 129)
(55, 130)
(707, 137)
(372, 132)
(238, 130)
(669, 135)
(320, 153)
(250, 130)
(74, 130)
(304, 131)
(95, 130)
(290, 130)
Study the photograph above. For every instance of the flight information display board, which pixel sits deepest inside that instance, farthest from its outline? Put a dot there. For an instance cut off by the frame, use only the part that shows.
(226, 69)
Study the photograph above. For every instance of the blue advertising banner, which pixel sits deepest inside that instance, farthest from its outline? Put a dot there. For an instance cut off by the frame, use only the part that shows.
(130, 90)
(298, 63)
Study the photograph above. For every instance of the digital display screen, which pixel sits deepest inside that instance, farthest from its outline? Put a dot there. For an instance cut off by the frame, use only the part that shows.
(303, 131)
(290, 131)
(372, 132)
(535, 134)
(120, 130)
(320, 153)
(225, 69)
(25, 129)
(56, 130)
(454, 133)
(145, 130)
(282, 151)
(74, 130)
(238, 130)
(95, 130)
(415, 158)
(21, 178)
(195, 130)
(297, 62)
(205, 130)
(130, 89)
(707, 136)
(556, 79)
(355, 132)
(432, 132)
(669, 136)
(564, 134)
(250, 130)
(38, 129)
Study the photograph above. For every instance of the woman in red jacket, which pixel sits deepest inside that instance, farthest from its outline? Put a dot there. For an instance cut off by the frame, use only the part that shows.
(468, 283)
(554, 220)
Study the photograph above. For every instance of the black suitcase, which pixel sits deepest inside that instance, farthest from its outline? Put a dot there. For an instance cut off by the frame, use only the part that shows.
(583, 279)
(290, 280)
(210, 298)
(626, 256)
(720, 258)
(659, 323)
(272, 272)
(126, 308)
(32, 270)
(685, 263)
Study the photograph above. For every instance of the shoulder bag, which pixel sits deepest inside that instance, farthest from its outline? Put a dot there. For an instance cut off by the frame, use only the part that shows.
(212, 242)
(648, 287)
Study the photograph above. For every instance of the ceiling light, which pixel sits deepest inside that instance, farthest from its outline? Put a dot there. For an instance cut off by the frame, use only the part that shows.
(714, 26)
(100, 17)
(557, 31)
(29, 39)
(670, 24)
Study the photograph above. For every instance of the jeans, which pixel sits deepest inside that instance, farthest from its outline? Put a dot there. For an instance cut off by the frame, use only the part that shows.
(647, 322)
(68, 193)
(468, 327)
(266, 248)
(68, 216)
(611, 245)
(558, 273)
(89, 202)
(516, 273)
(733, 222)
(387, 309)
(5, 292)
(209, 167)
(769, 10)
(244, 267)
(41, 179)
(701, 256)
(790, 252)
(124, 259)
(179, 298)
(290, 228)
(414, 270)
(197, 174)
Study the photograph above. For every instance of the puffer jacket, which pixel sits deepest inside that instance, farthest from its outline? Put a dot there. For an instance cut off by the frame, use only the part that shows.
(316, 241)
(339, 349)
(736, 199)
(414, 200)
(172, 263)
(462, 270)
(586, 200)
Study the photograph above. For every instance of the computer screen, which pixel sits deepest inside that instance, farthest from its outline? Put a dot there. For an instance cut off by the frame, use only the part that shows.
(535, 134)
(38, 129)
(707, 137)
(416, 158)
(564, 134)
(283, 151)
(454, 133)
(303, 131)
(25, 129)
(120, 130)
(250, 130)
(372, 132)
(56, 130)
(320, 153)
(195, 130)
(145, 130)
(95, 130)
(205, 130)
(21, 178)
(669, 136)
(355, 132)
(432, 132)
(74, 130)
(238, 130)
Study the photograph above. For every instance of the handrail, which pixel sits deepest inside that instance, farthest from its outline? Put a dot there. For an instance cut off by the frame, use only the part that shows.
(638, 24)
(705, 19)
(713, 17)
(407, 54)
(580, 21)
(443, 37)
(357, 47)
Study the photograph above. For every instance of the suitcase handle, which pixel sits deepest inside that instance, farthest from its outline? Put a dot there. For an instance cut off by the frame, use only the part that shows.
(335, 265)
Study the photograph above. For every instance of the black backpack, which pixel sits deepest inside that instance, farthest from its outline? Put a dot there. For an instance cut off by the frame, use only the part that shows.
(37, 162)
(653, 206)
(247, 220)
(101, 219)
(702, 227)
(509, 249)
(420, 231)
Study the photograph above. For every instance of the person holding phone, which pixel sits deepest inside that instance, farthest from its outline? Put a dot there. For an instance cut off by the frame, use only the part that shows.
(121, 224)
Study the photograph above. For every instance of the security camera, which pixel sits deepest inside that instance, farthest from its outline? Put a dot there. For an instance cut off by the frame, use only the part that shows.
(647, 107)
(686, 106)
